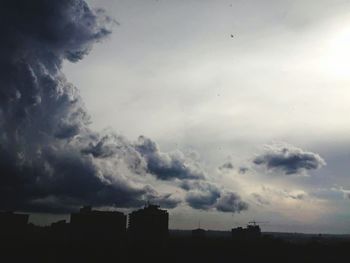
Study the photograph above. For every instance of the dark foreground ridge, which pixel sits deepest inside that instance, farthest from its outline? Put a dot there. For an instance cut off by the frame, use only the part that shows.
(103, 236)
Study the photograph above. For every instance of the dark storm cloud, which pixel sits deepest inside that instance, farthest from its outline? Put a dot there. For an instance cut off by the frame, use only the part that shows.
(189, 185)
(201, 195)
(202, 200)
(59, 180)
(205, 196)
(167, 166)
(50, 161)
(231, 202)
(289, 159)
(166, 201)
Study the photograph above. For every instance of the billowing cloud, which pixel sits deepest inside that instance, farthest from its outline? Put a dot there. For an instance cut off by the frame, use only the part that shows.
(164, 200)
(167, 166)
(289, 159)
(205, 196)
(50, 160)
(231, 202)
(201, 195)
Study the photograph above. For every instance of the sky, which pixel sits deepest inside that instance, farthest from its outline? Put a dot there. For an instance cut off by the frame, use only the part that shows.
(223, 112)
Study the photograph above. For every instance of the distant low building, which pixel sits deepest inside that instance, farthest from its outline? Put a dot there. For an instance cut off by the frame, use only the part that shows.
(149, 223)
(251, 232)
(238, 233)
(106, 224)
(13, 223)
(199, 233)
(60, 225)
(60, 230)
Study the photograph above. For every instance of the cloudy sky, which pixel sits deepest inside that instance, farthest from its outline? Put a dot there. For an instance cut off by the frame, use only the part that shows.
(222, 111)
(172, 71)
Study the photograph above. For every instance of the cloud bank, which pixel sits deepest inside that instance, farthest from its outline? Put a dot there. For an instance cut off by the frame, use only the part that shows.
(289, 159)
(50, 160)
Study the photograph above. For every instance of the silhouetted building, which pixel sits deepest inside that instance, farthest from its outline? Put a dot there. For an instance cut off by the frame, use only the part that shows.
(199, 233)
(60, 226)
(149, 223)
(60, 230)
(106, 224)
(11, 223)
(238, 233)
(251, 232)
